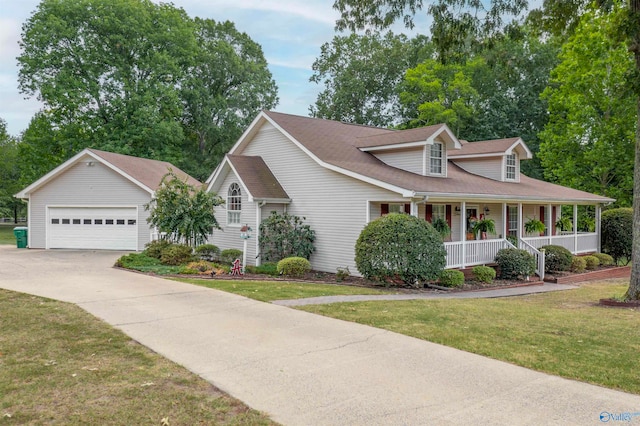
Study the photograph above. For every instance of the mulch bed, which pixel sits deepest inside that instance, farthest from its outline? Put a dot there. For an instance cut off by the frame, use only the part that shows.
(601, 273)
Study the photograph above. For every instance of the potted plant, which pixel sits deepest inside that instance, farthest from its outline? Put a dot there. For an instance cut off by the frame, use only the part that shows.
(564, 224)
(534, 226)
(484, 226)
(441, 225)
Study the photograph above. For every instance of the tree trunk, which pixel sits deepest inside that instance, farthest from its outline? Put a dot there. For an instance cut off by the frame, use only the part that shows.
(633, 293)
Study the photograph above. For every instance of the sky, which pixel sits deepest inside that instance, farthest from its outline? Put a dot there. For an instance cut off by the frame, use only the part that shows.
(290, 32)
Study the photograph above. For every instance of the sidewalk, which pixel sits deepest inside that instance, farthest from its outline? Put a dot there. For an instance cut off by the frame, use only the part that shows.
(499, 292)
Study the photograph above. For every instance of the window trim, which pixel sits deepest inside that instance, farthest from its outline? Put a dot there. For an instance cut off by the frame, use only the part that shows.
(234, 205)
(441, 158)
(511, 167)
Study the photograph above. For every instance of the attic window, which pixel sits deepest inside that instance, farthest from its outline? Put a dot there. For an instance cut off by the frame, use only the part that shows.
(234, 204)
(510, 171)
(435, 165)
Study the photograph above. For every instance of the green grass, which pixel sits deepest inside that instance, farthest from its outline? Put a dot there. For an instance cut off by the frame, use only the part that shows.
(561, 333)
(6, 233)
(267, 291)
(60, 365)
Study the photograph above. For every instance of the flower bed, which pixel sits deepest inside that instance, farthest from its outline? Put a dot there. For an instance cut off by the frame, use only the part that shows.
(599, 274)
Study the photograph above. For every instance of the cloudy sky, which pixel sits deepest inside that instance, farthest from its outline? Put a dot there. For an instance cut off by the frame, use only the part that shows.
(290, 32)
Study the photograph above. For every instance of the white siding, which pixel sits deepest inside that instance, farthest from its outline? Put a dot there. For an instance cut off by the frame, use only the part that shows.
(335, 206)
(411, 159)
(83, 185)
(229, 236)
(490, 167)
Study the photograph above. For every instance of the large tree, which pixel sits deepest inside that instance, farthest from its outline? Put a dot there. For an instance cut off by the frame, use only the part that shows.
(223, 90)
(588, 141)
(357, 14)
(360, 74)
(9, 175)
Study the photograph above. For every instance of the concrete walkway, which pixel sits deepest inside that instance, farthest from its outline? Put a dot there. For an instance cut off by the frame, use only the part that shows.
(484, 294)
(305, 369)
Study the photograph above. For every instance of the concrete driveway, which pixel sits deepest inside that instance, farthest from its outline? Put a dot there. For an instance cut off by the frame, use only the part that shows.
(304, 369)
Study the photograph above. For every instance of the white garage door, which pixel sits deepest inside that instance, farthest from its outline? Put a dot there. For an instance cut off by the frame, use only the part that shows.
(93, 228)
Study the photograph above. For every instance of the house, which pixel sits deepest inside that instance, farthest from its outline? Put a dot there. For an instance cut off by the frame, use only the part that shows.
(95, 200)
(341, 176)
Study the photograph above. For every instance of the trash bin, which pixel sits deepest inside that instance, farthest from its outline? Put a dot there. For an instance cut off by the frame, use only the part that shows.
(21, 236)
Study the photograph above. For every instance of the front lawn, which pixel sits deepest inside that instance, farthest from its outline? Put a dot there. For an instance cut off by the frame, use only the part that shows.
(6, 233)
(267, 291)
(561, 333)
(60, 365)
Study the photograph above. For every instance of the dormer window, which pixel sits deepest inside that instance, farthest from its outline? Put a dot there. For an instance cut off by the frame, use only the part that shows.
(436, 158)
(510, 167)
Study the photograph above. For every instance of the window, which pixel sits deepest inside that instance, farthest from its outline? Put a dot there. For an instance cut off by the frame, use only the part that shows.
(510, 171)
(86, 221)
(120, 221)
(108, 222)
(234, 204)
(55, 221)
(438, 211)
(97, 221)
(133, 222)
(66, 221)
(512, 213)
(436, 158)
(396, 208)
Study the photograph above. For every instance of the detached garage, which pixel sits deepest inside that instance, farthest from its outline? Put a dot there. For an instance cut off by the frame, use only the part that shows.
(95, 200)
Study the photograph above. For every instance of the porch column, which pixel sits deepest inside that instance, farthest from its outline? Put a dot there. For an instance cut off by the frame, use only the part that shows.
(505, 220)
(549, 224)
(519, 222)
(414, 208)
(575, 228)
(598, 227)
(463, 231)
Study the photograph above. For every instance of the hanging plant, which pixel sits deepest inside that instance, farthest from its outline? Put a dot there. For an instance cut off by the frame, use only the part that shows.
(534, 226)
(564, 224)
(441, 225)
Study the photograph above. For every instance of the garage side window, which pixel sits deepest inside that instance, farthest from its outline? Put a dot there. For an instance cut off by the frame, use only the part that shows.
(234, 204)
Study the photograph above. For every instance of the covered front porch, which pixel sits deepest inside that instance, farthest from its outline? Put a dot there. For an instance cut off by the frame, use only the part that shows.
(573, 226)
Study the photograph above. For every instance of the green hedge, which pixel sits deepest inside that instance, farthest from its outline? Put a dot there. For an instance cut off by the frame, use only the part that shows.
(515, 263)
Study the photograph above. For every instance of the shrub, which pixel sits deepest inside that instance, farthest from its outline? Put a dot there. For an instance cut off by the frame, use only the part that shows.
(578, 264)
(592, 262)
(484, 274)
(207, 252)
(605, 259)
(556, 258)
(515, 263)
(342, 273)
(400, 246)
(135, 260)
(294, 266)
(451, 278)
(268, 268)
(617, 234)
(283, 235)
(155, 248)
(229, 255)
(201, 267)
(176, 254)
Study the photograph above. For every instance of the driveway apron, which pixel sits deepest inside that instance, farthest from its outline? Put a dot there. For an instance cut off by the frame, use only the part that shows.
(301, 368)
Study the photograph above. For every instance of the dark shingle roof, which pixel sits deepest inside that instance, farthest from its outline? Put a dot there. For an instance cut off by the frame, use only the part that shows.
(257, 177)
(337, 144)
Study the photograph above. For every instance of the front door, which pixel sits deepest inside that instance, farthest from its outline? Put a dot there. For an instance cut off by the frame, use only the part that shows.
(472, 218)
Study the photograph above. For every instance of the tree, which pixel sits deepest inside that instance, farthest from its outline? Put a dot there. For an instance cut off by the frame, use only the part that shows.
(184, 213)
(458, 25)
(435, 93)
(111, 70)
(9, 175)
(223, 90)
(360, 74)
(588, 141)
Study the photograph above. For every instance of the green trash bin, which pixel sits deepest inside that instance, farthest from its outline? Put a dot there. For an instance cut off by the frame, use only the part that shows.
(21, 233)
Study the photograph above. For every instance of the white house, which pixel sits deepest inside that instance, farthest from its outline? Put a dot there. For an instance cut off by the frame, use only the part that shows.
(95, 200)
(341, 176)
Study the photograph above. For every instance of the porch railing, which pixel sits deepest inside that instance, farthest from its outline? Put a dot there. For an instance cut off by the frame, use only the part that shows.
(537, 254)
(584, 242)
(461, 254)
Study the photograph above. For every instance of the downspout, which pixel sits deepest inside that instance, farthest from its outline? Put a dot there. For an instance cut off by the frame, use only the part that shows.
(258, 221)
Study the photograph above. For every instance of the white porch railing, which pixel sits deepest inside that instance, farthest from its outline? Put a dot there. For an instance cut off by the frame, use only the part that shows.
(586, 242)
(537, 254)
(461, 254)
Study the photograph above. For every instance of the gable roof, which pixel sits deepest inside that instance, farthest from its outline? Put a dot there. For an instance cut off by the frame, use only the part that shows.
(392, 139)
(336, 146)
(257, 178)
(144, 172)
(491, 148)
